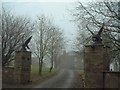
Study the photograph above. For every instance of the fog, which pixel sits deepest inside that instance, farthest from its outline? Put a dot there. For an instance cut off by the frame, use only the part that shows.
(57, 11)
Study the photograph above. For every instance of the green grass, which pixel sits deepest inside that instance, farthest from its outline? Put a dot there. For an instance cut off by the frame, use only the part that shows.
(81, 73)
(34, 69)
(35, 77)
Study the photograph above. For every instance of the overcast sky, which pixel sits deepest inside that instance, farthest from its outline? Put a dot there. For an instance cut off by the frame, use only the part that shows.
(58, 10)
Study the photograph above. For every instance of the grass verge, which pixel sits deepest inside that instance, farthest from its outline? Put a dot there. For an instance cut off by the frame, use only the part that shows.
(82, 76)
(81, 73)
(35, 77)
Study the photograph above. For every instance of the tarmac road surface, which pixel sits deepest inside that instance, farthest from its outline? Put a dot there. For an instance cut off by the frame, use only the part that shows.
(63, 79)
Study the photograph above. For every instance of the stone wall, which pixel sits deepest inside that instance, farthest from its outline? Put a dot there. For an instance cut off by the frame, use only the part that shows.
(97, 74)
(111, 79)
(20, 74)
(106, 60)
(95, 62)
(8, 75)
(22, 67)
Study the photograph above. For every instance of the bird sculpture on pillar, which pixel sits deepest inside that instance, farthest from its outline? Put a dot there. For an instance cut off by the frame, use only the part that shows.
(96, 38)
(25, 44)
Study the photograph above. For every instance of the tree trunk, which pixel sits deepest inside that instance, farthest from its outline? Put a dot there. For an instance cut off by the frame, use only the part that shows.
(51, 62)
(40, 66)
(51, 66)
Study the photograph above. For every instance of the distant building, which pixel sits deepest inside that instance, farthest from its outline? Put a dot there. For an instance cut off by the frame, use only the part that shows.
(70, 60)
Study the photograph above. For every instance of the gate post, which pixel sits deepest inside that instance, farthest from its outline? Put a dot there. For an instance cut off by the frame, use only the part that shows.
(96, 61)
(22, 67)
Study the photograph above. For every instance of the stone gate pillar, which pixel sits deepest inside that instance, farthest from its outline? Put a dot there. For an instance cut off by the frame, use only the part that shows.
(96, 61)
(22, 67)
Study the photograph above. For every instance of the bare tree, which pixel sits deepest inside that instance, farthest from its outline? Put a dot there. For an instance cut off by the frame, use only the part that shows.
(15, 30)
(94, 14)
(42, 39)
(56, 45)
(48, 39)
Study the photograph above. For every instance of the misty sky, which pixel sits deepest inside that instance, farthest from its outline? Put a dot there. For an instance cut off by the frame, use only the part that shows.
(56, 10)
